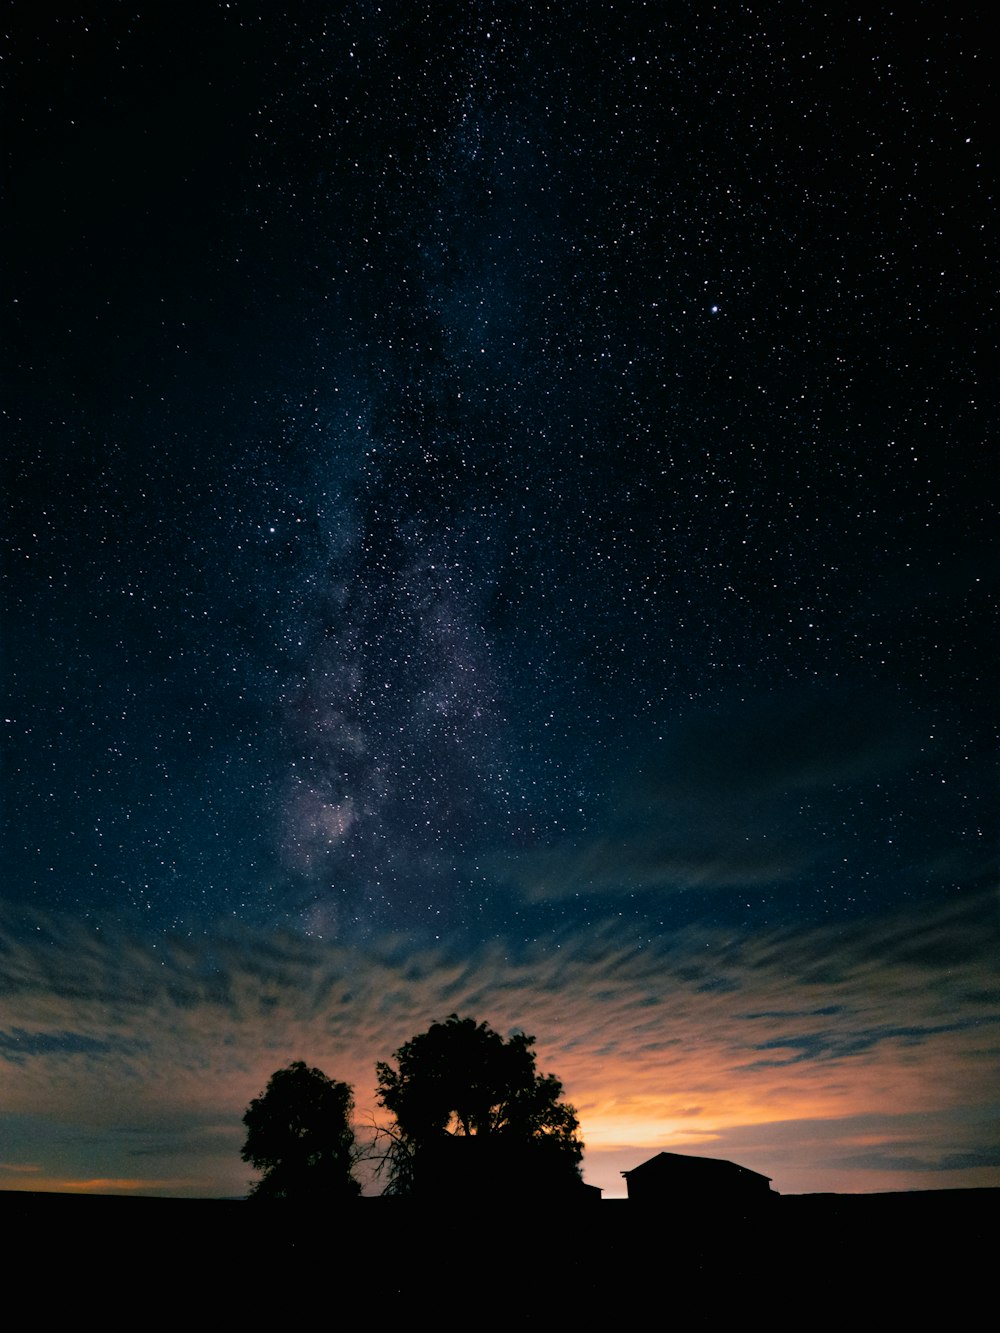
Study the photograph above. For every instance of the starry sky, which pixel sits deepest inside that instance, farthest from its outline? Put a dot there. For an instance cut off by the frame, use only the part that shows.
(497, 521)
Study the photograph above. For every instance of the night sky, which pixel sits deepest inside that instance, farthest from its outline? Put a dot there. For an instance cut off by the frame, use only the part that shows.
(498, 520)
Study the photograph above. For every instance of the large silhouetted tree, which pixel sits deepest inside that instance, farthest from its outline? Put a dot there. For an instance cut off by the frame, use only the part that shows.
(299, 1134)
(460, 1080)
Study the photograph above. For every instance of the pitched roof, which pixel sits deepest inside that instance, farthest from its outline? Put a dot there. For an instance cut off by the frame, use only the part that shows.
(687, 1165)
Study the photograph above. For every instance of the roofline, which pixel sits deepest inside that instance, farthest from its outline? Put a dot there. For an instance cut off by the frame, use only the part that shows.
(749, 1170)
(691, 1157)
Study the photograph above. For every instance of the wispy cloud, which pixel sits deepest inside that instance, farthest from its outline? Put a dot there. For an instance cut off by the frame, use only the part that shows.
(717, 803)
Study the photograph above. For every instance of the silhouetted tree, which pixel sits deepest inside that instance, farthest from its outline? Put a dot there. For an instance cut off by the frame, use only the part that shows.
(299, 1134)
(462, 1080)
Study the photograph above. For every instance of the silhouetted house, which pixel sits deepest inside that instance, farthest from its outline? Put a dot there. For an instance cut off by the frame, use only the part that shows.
(465, 1168)
(697, 1182)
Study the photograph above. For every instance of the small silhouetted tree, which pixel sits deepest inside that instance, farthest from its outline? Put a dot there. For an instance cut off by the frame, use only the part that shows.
(299, 1135)
(462, 1080)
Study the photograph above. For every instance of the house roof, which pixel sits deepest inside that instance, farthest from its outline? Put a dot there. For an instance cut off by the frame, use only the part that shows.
(683, 1164)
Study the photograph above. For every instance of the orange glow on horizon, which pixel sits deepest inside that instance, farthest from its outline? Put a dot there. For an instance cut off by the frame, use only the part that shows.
(32, 1179)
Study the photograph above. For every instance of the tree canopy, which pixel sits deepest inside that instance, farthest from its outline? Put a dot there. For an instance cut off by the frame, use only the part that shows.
(299, 1134)
(461, 1079)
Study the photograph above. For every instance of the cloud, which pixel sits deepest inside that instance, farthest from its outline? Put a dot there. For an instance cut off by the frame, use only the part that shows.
(826, 1044)
(800, 740)
(718, 803)
(949, 1161)
(17, 1044)
(660, 1041)
(656, 859)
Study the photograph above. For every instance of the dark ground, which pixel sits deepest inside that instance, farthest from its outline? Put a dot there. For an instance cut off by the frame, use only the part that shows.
(883, 1254)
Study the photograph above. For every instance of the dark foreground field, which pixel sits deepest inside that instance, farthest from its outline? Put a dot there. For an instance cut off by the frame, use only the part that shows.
(377, 1260)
